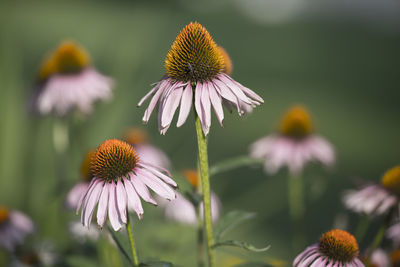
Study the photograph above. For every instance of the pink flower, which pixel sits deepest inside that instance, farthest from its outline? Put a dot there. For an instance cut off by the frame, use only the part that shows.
(294, 146)
(14, 227)
(68, 81)
(393, 232)
(375, 199)
(120, 179)
(196, 73)
(335, 248)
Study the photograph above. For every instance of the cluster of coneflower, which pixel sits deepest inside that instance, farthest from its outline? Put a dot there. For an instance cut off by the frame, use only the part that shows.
(119, 174)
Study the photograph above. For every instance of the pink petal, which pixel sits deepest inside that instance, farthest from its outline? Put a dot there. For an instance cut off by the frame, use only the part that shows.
(205, 102)
(102, 207)
(186, 103)
(159, 174)
(156, 185)
(121, 200)
(170, 107)
(235, 89)
(154, 100)
(92, 200)
(112, 209)
(142, 190)
(197, 100)
(148, 94)
(133, 198)
(216, 103)
(78, 207)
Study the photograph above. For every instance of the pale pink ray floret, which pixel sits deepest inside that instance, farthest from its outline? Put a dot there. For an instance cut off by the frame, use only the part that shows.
(14, 229)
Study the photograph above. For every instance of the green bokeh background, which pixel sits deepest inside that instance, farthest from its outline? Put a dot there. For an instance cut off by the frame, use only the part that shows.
(346, 73)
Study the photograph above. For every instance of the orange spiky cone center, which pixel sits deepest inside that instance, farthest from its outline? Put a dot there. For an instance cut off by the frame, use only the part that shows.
(136, 136)
(113, 160)
(66, 59)
(194, 56)
(227, 60)
(391, 180)
(338, 245)
(192, 177)
(86, 173)
(4, 214)
(296, 123)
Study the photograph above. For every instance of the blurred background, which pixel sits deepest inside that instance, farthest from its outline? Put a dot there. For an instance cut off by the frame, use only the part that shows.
(338, 58)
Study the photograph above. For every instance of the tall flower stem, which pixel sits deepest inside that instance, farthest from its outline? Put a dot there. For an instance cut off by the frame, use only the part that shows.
(205, 184)
(296, 208)
(132, 242)
(61, 143)
(200, 231)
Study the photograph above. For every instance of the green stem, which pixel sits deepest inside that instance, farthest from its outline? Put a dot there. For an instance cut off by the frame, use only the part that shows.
(132, 242)
(296, 209)
(205, 183)
(362, 228)
(121, 249)
(61, 143)
(200, 240)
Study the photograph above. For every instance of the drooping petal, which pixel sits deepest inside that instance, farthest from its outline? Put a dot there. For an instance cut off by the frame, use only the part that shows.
(113, 215)
(186, 104)
(164, 84)
(206, 107)
(121, 200)
(133, 198)
(103, 204)
(156, 185)
(92, 200)
(159, 174)
(142, 190)
(216, 102)
(170, 107)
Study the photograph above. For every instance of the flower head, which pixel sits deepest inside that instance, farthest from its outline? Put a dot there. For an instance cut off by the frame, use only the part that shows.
(196, 72)
(335, 248)
(375, 199)
(67, 80)
(294, 144)
(79, 189)
(14, 227)
(120, 178)
(149, 153)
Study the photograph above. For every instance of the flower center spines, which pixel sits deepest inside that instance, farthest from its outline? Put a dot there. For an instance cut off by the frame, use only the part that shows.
(4, 214)
(68, 58)
(113, 159)
(296, 123)
(86, 173)
(194, 56)
(338, 245)
(391, 180)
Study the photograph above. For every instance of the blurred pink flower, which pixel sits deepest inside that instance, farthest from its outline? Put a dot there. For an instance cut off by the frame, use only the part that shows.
(393, 232)
(67, 81)
(335, 248)
(196, 73)
(14, 227)
(294, 146)
(375, 199)
(120, 179)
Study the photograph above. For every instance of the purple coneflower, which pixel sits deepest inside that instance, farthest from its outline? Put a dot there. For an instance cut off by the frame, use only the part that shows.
(376, 199)
(80, 188)
(14, 227)
(119, 179)
(378, 258)
(335, 248)
(148, 153)
(67, 80)
(196, 73)
(183, 211)
(294, 145)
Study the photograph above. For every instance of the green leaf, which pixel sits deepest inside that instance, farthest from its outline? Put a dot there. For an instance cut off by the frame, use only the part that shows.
(156, 264)
(230, 221)
(240, 244)
(234, 163)
(253, 264)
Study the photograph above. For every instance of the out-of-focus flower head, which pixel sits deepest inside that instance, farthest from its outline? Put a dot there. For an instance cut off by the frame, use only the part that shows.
(196, 72)
(67, 80)
(295, 144)
(14, 227)
(120, 178)
(335, 248)
(149, 153)
(376, 199)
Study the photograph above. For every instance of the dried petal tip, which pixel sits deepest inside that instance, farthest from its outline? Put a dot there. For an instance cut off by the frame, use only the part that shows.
(3, 214)
(296, 123)
(192, 177)
(227, 60)
(135, 136)
(338, 245)
(69, 57)
(86, 173)
(194, 56)
(391, 180)
(113, 160)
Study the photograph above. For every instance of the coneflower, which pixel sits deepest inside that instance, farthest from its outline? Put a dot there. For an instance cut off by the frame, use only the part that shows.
(335, 248)
(295, 144)
(196, 72)
(67, 80)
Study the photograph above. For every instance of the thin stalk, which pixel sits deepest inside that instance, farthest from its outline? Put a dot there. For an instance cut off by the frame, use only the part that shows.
(205, 183)
(200, 230)
(296, 209)
(381, 232)
(233, 163)
(362, 228)
(121, 249)
(132, 242)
